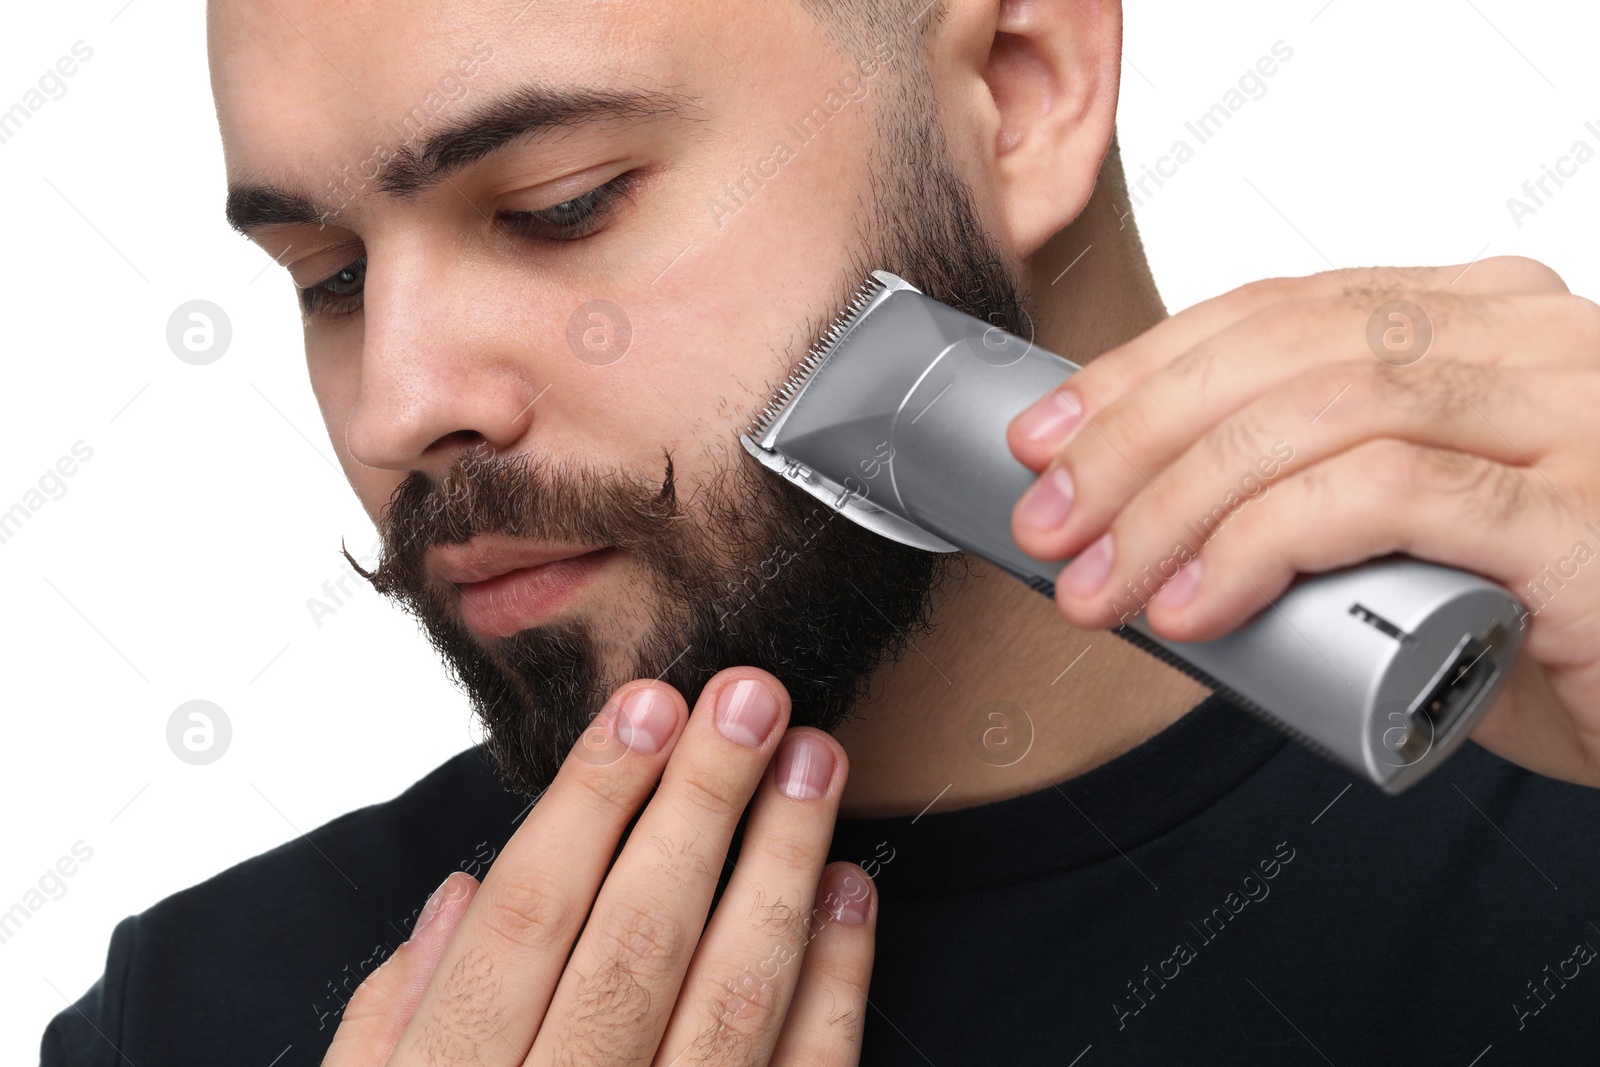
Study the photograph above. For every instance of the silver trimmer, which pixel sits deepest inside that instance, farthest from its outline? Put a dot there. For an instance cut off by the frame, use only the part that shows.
(897, 420)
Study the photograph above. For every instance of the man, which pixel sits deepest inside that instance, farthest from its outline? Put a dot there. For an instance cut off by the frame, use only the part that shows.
(551, 258)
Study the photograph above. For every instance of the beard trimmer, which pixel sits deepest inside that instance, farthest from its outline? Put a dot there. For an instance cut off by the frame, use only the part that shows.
(897, 420)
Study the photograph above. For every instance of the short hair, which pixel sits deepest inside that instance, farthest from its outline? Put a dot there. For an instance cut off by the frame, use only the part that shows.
(901, 23)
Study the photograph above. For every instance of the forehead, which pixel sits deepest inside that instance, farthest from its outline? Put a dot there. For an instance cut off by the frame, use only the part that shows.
(301, 78)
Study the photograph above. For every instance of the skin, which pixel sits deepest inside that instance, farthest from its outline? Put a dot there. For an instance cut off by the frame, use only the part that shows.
(1027, 96)
(780, 974)
(1479, 455)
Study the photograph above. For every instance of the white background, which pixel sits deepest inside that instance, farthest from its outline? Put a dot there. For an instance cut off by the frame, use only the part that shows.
(178, 564)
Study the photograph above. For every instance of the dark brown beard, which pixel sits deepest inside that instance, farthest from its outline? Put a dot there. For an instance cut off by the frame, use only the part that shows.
(756, 573)
(760, 575)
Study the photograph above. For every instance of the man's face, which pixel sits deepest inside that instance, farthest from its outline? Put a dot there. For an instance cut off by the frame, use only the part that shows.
(554, 256)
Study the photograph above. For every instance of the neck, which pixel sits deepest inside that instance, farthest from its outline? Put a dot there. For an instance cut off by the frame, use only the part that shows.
(1004, 697)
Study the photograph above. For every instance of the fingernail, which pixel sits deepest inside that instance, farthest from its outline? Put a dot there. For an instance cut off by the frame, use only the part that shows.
(451, 889)
(1087, 572)
(1048, 501)
(1052, 418)
(847, 894)
(645, 720)
(1180, 588)
(805, 766)
(746, 711)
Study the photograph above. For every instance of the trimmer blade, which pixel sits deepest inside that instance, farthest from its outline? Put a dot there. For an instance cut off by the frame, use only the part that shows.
(814, 358)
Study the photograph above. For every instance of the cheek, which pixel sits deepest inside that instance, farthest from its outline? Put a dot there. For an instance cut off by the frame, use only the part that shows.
(334, 383)
(628, 418)
(730, 320)
(674, 386)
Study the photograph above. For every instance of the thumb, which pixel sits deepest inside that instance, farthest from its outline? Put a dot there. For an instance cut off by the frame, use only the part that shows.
(383, 1004)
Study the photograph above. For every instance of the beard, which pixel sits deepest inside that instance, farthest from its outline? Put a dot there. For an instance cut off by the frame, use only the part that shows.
(755, 573)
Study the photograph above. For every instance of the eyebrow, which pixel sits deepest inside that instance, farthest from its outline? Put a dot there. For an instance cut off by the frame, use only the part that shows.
(524, 112)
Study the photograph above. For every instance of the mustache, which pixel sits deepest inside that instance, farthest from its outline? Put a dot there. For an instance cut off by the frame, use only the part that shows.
(527, 497)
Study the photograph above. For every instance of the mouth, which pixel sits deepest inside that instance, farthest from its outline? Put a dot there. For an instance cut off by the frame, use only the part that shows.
(507, 586)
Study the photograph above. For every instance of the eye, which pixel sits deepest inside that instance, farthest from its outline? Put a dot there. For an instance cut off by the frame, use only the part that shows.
(574, 219)
(337, 294)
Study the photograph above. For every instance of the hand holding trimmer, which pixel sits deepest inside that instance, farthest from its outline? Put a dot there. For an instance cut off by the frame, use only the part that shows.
(898, 421)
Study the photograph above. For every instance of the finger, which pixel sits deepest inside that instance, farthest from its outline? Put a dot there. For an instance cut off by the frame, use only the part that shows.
(740, 981)
(827, 1014)
(1518, 418)
(1118, 371)
(617, 993)
(1502, 522)
(490, 990)
(1146, 426)
(386, 1000)
(1529, 723)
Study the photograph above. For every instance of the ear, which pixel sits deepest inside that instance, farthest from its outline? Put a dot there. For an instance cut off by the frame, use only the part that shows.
(1045, 74)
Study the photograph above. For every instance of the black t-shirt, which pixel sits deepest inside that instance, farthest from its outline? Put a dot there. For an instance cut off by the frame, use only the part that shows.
(1214, 896)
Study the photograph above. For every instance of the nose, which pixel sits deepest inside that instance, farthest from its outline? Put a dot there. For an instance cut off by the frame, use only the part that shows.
(441, 373)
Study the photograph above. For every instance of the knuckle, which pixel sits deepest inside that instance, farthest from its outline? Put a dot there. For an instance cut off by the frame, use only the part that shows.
(709, 792)
(721, 1040)
(740, 1007)
(793, 851)
(609, 790)
(1393, 387)
(1446, 393)
(1393, 390)
(529, 912)
(609, 1023)
(1285, 329)
(1232, 446)
(1583, 317)
(642, 939)
(1358, 304)
(1506, 493)
(1524, 272)
(1492, 492)
(1194, 367)
(1441, 469)
(1466, 389)
(1374, 285)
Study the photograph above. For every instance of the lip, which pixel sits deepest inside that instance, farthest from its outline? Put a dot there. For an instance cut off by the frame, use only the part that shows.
(506, 585)
(484, 558)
